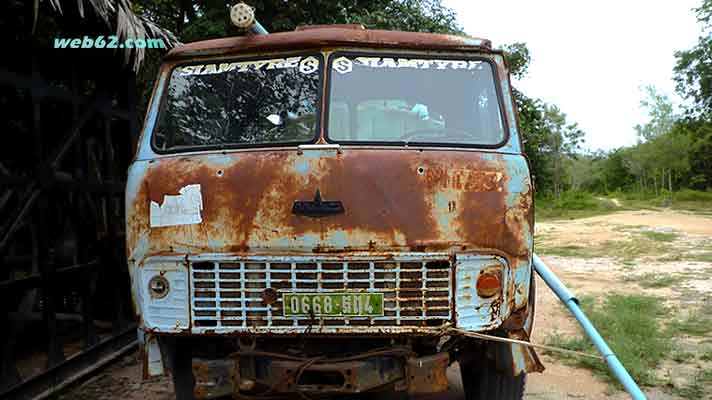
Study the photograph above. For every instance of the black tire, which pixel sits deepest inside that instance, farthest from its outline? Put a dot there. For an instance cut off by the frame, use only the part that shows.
(388, 395)
(182, 372)
(385, 393)
(482, 381)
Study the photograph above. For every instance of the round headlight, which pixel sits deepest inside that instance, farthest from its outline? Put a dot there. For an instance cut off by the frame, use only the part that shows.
(158, 287)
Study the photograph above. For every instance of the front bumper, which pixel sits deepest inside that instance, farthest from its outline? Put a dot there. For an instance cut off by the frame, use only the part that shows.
(257, 375)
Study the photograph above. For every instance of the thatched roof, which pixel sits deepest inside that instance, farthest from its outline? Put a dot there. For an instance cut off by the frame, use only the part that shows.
(118, 15)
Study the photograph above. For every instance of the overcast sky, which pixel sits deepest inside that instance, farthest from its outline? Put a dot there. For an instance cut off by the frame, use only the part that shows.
(590, 57)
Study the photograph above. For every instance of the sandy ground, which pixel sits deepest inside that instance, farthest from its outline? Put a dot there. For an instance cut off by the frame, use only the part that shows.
(597, 277)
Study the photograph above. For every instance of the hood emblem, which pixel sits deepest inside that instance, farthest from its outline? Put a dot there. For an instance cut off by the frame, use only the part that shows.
(317, 208)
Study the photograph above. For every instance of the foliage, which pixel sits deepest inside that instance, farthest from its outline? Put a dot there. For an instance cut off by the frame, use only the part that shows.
(631, 325)
(698, 323)
(571, 204)
(550, 141)
(517, 58)
(660, 113)
(693, 70)
(198, 20)
(655, 280)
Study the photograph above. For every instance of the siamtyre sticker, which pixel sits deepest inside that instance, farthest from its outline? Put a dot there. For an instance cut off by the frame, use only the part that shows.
(344, 65)
(306, 65)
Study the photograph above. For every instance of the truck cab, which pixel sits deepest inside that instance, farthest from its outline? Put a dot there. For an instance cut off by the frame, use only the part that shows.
(332, 211)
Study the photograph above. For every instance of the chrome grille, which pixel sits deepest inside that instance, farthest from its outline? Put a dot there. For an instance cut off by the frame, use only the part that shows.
(227, 294)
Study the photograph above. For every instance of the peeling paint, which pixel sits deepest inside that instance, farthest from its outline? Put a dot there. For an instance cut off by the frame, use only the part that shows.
(181, 209)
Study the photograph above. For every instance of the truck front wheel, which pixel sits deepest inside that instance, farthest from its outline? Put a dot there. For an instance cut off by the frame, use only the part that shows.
(182, 371)
(482, 381)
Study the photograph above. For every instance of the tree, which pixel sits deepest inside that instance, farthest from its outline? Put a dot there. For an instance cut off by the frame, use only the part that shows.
(532, 120)
(517, 58)
(564, 140)
(198, 20)
(661, 116)
(693, 77)
(693, 70)
(664, 150)
(193, 20)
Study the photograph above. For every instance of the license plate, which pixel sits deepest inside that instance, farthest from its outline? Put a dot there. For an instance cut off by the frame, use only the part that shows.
(321, 304)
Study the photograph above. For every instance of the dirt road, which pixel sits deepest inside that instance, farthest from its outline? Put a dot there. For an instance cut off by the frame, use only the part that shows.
(627, 252)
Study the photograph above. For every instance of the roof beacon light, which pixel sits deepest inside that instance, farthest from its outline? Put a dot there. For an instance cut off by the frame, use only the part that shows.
(243, 16)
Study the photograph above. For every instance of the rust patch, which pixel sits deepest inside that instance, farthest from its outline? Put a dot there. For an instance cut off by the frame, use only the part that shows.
(331, 36)
(381, 194)
(394, 200)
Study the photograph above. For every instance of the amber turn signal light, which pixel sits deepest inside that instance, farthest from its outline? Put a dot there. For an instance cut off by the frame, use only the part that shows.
(487, 285)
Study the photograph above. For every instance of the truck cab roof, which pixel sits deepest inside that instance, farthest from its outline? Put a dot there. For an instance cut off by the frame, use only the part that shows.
(317, 36)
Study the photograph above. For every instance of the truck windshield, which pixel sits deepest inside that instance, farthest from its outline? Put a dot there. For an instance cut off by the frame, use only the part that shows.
(240, 103)
(413, 100)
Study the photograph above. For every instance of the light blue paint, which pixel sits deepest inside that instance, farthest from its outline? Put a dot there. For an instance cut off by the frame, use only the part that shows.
(472, 41)
(473, 312)
(258, 29)
(442, 212)
(513, 144)
(220, 159)
(568, 298)
(338, 239)
(316, 154)
(518, 183)
(144, 150)
(302, 167)
(213, 243)
(136, 172)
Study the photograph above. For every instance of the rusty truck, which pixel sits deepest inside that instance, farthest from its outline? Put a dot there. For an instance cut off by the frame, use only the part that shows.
(333, 211)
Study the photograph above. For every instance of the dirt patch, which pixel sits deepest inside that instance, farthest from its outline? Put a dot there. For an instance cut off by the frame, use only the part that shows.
(665, 243)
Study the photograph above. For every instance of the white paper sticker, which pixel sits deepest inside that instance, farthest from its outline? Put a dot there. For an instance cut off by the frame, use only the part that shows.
(181, 209)
(309, 65)
(342, 65)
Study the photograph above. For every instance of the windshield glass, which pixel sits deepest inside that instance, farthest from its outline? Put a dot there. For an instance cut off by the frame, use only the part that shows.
(240, 103)
(413, 100)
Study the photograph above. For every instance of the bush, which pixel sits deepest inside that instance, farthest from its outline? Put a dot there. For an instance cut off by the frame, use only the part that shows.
(577, 201)
(693, 195)
(572, 204)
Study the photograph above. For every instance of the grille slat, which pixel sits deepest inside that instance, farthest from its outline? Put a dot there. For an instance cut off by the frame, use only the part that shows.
(416, 291)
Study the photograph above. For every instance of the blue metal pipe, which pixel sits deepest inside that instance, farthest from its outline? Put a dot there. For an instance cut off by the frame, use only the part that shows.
(257, 29)
(572, 303)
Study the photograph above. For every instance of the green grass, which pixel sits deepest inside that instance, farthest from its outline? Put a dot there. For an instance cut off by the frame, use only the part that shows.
(652, 280)
(692, 391)
(685, 195)
(625, 249)
(685, 199)
(630, 324)
(697, 388)
(577, 204)
(682, 356)
(698, 323)
(704, 257)
(706, 356)
(572, 205)
(659, 236)
(699, 257)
